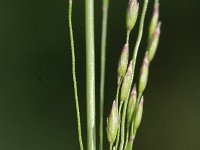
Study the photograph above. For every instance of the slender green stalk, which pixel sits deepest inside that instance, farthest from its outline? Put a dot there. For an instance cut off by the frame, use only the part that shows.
(131, 138)
(117, 93)
(118, 134)
(111, 145)
(90, 75)
(127, 136)
(103, 62)
(123, 124)
(127, 36)
(140, 33)
(139, 98)
(74, 74)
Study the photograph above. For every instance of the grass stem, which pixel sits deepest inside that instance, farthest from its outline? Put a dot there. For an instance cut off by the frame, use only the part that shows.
(74, 74)
(118, 134)
(90, 74)
(103, 62)
(117, 93)
(123, 124)
(127, 36)
(127, 136)
(111, 145)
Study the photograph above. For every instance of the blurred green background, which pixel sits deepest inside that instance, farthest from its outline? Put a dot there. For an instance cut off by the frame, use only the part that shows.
(37, 109)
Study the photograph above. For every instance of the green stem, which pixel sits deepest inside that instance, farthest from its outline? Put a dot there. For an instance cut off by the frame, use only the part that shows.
(111, 145)
(130, 140)
(90, 74)
(118, 134)
(127, 36)
(130, 144)
(117, 93)
(103, 62)
(138, 98)
(140, 33)
(74, 74)
(127, 136)
(123, 124)
(132, 137)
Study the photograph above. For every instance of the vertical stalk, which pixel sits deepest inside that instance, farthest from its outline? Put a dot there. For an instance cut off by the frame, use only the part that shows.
(103, 62)
(74, 74)
(111, 145)
(90, 74)
(127, 136)
(123, 124)
(118, 134)
(140, 33)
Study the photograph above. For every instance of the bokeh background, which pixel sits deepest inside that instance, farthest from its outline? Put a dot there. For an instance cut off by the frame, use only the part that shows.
(37, 109)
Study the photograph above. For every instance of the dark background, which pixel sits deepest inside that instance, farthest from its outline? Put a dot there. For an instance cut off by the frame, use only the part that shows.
(37, 109)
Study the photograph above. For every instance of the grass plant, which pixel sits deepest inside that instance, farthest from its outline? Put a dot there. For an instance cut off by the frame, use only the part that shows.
(127, 108)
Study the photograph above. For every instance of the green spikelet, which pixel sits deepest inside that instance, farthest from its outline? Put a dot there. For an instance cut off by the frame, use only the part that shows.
(131, 105)
(138, 116)
(154, 19)
(132, 14)
(126, 85)
(123, 62)
(144, 74)
(153, 42)
(112, 123)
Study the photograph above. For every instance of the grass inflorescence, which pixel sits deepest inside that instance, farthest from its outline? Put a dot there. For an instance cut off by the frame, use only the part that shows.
(127, 108)
(130, 107)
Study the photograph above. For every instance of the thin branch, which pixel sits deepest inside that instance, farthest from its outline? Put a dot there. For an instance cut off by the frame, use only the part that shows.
(103, 62)
(74, 74)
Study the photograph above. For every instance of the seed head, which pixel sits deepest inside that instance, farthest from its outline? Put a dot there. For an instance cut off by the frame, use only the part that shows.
(112, 123)
(139, 113)
(123, 62)
(153, 42)
(144, 74)
(131, 105)
(154, 19)
(132, 14)
(126, 85)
